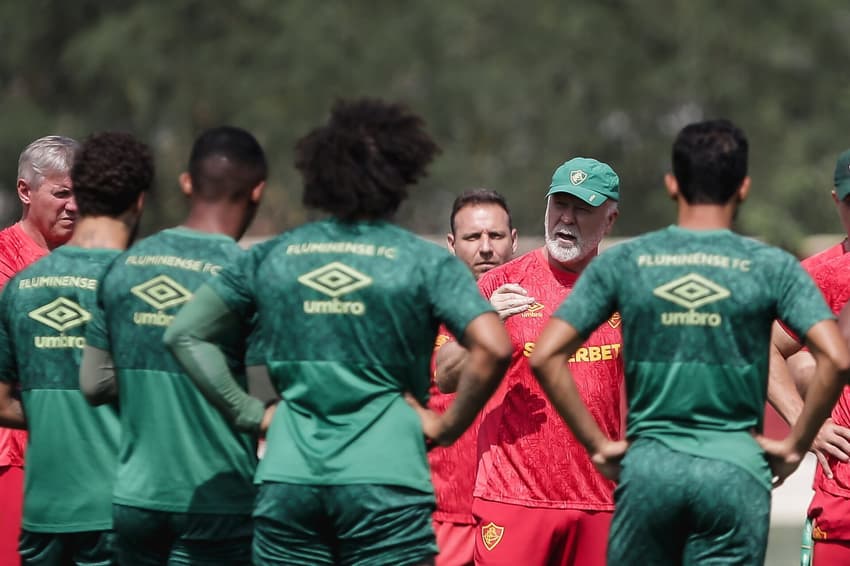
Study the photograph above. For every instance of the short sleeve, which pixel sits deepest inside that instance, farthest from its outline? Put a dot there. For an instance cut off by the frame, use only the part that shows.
(235, 284)
(97, 336)
(800, 304)
(594, 298)
(453, 294)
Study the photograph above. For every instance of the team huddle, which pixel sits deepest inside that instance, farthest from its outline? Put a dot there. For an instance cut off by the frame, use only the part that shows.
(576, 408)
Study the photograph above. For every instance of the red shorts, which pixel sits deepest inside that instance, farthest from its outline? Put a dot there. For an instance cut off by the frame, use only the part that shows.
(830, 553)
(830, 516)
(11, 509)
(456, 542)
(513, 534)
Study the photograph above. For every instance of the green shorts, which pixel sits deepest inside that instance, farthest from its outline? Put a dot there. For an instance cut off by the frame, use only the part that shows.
(347, 524)
(676, 508)
(146, 537)
(93, 548)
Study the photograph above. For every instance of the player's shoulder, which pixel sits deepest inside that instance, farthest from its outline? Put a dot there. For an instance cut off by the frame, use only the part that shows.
(816, 261)
(831, 269)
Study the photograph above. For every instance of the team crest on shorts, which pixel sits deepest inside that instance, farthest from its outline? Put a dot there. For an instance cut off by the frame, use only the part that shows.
(615, 320)
(818, 533)
(491, 534)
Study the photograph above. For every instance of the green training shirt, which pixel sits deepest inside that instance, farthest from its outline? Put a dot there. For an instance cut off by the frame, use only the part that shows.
(697, 309)
(177, 452)
(73, 447)
(349, 313)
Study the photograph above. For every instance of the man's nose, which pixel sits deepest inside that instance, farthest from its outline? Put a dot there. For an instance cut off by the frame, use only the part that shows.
(485, 248)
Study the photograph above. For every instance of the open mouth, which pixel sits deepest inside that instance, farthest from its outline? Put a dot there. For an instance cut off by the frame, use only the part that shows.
(565, 238)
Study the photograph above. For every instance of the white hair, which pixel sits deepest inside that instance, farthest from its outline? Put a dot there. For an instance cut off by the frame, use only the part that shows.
(47, 156)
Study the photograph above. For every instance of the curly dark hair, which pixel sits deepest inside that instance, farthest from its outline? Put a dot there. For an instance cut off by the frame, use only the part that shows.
(110, 172)
(360, 163)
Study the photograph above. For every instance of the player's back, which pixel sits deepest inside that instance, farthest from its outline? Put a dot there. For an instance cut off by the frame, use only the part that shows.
(73, 447)
(354, 310)
(697, 309)
(178, 453)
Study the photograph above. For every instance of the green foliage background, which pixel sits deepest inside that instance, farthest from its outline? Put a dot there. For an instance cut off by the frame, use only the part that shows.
(509, 89)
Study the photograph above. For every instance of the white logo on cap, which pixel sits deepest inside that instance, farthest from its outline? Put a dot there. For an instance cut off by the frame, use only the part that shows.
(591, 198)
(577, 177)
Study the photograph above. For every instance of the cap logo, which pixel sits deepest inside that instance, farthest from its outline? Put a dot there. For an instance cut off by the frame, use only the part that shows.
(577, 177)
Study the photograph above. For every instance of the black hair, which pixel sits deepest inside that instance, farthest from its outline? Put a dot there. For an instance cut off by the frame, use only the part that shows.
(360, 163)
(110, 171)
(479, 196)
(241, 167)
(710, 161)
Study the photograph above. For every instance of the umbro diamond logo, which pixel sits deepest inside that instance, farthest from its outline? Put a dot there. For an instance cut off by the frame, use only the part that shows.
(692, 291)
(162, 292)
(335, 279)
(61, 314)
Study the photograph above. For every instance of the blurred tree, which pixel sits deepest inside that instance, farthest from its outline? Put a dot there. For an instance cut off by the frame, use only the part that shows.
(509, 89)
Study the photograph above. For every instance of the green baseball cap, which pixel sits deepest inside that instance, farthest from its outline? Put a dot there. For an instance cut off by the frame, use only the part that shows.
(842, 175)
(590, 180)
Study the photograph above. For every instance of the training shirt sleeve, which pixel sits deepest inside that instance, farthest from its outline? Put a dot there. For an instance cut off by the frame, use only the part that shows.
(800, 304)
(191, 338)
(594, 298)
(98, 379)
(235, 285)
(454, 295)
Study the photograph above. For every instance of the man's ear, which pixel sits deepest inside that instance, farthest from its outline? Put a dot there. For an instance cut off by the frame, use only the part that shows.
(257, 192)
(744, 190)
(24, 192)
(185, 181)
(514, 240)
(450, 242)
(612, 216)
(140, 202)
(672, 186)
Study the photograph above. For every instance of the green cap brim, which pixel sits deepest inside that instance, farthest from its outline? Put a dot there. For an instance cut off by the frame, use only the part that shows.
(590, 197)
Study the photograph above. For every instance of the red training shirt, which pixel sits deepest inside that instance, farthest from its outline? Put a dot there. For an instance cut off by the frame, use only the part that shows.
(17, 251)
(526, 454)
(452, 467)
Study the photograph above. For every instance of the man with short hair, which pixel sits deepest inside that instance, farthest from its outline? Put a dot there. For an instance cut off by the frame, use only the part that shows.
(73, 448)
(184, 489)
(47, 220)
(538, 499)
(697, 303)
(483, 237)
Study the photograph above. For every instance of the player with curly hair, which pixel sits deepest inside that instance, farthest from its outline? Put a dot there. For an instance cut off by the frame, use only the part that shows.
(349, 307)
(44, 310)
